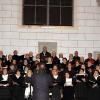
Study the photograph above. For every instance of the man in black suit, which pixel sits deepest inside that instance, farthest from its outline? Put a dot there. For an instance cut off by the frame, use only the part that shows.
(40, 81)
(44, 54)
(76, 57)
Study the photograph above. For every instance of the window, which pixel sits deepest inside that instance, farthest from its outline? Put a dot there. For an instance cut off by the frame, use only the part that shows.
(48, 12)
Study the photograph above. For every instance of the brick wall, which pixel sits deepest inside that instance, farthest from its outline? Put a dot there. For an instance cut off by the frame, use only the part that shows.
(84, 36)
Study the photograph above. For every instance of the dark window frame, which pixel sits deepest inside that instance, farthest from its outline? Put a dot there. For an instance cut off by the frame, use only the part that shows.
(48, 14)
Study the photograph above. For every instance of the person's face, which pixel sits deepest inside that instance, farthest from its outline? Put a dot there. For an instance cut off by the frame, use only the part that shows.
(18, 73)
(37, 56)
(82, 59)
(55, 67)
(54, 72)
(27, 56)
(49, 59)
(81, 71)
(69, 65)
(96, 73)
(15, 52)
(10, 57)
(14, 62)
(76, 53)
(89, 55)
(25, 62)
(29, 73)
(77, 63)
(44, 49)
(5, 71)
(67, 75)
(70, 56)
(42, 66)
(30, 53)
(60, 55)
(53, 54)
(64, 61)
(83, 66)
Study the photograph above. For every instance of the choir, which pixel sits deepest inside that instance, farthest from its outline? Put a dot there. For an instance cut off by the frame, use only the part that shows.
(74, 78)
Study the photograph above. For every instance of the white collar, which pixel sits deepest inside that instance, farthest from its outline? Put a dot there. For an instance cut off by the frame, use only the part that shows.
(55, 76)
(5, 77)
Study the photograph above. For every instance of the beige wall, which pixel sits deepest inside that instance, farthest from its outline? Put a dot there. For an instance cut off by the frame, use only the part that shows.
(84, 36)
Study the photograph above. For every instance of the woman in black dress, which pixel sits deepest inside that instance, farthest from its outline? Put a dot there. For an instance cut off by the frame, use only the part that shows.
(56, 88)
(28, 85)
(94, 91)
(49, 64)
(68, 91)
(81, 87)
(5, 83)
(18, 86)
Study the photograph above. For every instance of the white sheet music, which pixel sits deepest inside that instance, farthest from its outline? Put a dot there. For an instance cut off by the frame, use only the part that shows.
(27, 91)
(68, 82)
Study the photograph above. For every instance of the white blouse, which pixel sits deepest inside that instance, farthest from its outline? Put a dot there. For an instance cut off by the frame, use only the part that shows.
(68, 82)
(5, 77)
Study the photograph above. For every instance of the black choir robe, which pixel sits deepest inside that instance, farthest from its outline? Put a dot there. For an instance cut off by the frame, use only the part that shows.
(5, 88)
(94, 88)
(18, 88)
(56, 88)
(81, 88)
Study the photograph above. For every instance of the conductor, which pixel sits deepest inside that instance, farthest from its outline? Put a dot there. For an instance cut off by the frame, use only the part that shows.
(40, 81)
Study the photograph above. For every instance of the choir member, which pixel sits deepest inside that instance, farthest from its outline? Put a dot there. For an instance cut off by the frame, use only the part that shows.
(89, 59)
(9, 60)
(90, 65)
(44, 54)
(31, 57)
(69, 69)
(49, 64)
(98, 68)
(55, 58)
(36, 64)
(71, 58)
(26, 56)
(25, 66)
(76, 67)
(55, 67)
(80, 86)
(5, 83)
(57, 82)
(94, 92)
(84, 68)
(18, 86)
(29, 87)
(15, 55)
(76, 57)
(37, 57)
(61, 57)
(97, 62)
(31, 60)
(68, 91)
(63, 65)
(13, 67)
(3, 57)
(82, 60)
(1, 65)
